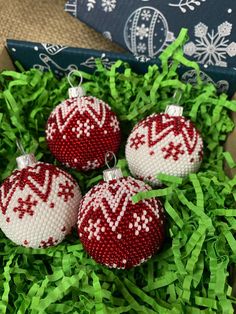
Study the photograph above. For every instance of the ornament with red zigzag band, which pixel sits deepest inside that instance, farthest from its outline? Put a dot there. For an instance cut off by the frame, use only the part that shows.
(115, 231)
(38, 205)
(164, 144)
(81, 130)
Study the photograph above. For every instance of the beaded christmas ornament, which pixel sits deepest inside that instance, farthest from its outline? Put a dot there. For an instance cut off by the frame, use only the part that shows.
(115, 231)
(38, 204)
(165, 143)
(81, 130)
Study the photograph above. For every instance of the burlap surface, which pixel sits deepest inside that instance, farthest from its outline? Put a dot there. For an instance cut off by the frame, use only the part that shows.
(46, 21)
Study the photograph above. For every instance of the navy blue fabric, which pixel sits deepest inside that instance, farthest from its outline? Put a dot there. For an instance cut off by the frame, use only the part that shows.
(61, 60)
(146, 27)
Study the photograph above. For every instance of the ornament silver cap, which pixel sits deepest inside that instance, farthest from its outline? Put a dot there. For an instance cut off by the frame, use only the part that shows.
(25, 161)
(174, 110)
(112, 174)
(75, 92)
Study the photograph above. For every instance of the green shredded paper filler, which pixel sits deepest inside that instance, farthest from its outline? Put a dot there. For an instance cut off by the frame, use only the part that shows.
(191, 274)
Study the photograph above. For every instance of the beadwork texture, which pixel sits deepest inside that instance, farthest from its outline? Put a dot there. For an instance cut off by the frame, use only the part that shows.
(115, 231)
(80, 131)
(164, 144)
(38, 205)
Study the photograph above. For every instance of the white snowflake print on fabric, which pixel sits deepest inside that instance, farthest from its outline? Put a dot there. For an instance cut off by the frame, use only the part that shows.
(141, 48)
(146, 33)
(211, 48)
(142, 31)
(146, 15)
(91, 4)
(108, 5)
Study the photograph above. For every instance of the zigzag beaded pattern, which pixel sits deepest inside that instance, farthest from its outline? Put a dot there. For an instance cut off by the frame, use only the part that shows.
(38, 205)
(80, 131)
(115, 231)
(164, 144)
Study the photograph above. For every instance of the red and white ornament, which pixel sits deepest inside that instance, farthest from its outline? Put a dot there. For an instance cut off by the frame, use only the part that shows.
(115, 231)
(81, 130)
(165, 143)
(38, 204)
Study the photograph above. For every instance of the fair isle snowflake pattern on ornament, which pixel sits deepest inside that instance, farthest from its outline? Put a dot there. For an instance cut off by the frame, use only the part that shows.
(115, 124)
(211, 47)
(51, 130)
(163, 144)
(83, 128)
(38, 203)
(108, 5)
(185, 5)
(115, 231)
(91, 165)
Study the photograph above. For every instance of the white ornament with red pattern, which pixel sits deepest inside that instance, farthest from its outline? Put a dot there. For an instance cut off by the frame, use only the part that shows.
(115, 231)
(38, 204)
(81, 130)
(166, 143)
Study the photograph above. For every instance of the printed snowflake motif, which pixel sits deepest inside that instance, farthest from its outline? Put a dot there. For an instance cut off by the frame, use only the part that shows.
(25, 207)
(115, 124)
(91, 4)
(137, 141)
(141, 48)
(50, 131)
(66, 191)
(85, 128)
(142, 31)
(108, 5)
(211, 48)
(146, 15)
(91, 165)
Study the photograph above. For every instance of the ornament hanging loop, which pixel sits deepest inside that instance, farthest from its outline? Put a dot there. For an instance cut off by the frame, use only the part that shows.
(74, 72)
(113, 173)
(75, 91)
(175, 110)
(178, 95)
(108, 159)
(20, 147)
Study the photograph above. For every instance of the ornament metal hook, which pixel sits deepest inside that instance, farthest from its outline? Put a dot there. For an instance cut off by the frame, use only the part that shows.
(75, 91)
(175, 109)
(20, 147)
(113, 173)
(178, 95)
(107, 157)
(74, 72)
